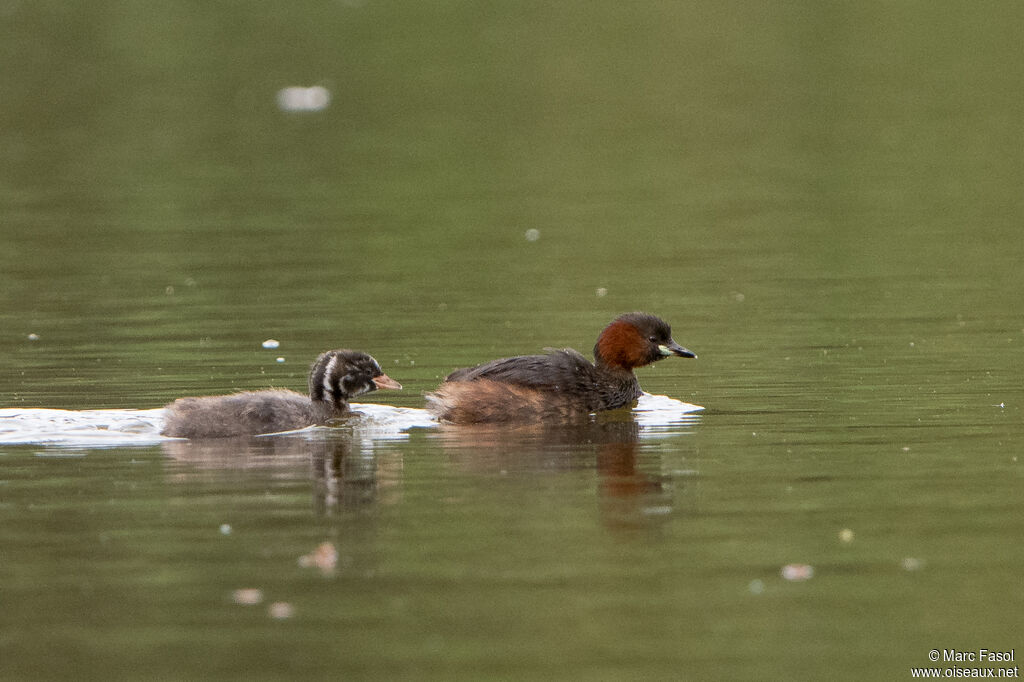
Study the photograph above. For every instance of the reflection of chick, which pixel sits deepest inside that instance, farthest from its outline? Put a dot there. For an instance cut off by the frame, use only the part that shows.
(334, 378)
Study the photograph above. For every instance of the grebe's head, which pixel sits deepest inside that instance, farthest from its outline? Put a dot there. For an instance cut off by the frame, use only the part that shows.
(636, 339)
(339, 375)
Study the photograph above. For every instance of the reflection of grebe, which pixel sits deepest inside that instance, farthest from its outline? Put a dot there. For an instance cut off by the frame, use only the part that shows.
(334, 378)
(633, 491)
(562, 385)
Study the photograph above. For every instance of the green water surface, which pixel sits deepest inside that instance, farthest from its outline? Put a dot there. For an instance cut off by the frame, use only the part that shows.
(823, 199)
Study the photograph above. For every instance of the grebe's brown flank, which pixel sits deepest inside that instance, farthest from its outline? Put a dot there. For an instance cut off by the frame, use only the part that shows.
(562, 385)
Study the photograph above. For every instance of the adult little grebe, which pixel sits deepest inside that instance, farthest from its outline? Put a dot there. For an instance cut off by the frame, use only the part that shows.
(334, 378)
(561, 385)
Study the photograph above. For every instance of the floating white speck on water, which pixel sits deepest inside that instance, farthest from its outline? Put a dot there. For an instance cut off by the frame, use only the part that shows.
(532, 235)
(324, 557)
(846, 536)
(297, 98)
(912, 564)
(280, 610)
(247, 596)
(280, 360)
(601, 292)
(797, 572)
(225, 529)
(271, 343)
(33, 337)
(755, 586)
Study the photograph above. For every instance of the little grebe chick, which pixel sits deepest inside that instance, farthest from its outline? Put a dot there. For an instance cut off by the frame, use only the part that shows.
(334, 378)
(562, 385)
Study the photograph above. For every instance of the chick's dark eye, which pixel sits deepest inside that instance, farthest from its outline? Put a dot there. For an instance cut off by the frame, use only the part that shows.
(653, 339)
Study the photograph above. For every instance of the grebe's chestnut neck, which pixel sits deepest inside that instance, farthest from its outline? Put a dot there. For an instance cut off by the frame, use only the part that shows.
(634, 340)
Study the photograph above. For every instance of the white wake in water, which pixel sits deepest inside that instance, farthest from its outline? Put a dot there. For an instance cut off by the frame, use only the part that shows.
(118, 428)
(100, 428)
(115, 428)
(655, 411)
